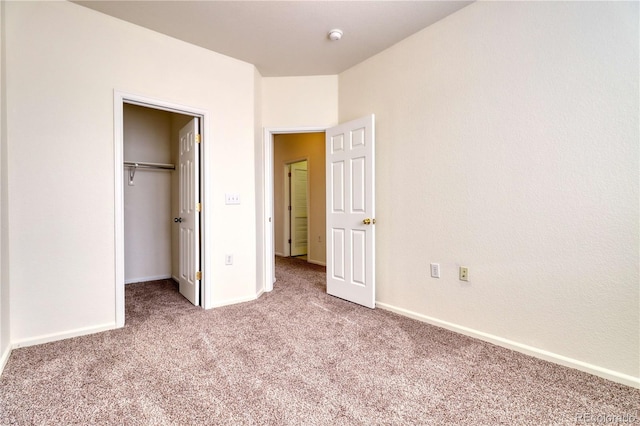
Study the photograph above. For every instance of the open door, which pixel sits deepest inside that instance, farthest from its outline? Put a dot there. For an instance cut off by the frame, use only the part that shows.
(351, 221)
(189, 220)
(299, 214)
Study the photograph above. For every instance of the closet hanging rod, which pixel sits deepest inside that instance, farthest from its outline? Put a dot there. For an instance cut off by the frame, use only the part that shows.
(142, 164)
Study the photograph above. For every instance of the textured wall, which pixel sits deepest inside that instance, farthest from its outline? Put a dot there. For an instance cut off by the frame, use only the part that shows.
(507, 142)
(5, 318)
(64, 62)
(259, 176)
(300, 101)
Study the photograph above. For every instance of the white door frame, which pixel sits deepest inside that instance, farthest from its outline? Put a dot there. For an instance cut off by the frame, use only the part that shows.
(268, 237)
(119, 99)
(286, 227)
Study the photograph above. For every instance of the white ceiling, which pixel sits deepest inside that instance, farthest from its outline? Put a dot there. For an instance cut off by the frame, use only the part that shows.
(285, 38)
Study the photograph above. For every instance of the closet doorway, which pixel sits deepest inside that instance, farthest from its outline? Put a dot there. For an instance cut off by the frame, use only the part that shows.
(160, 220)
(160, 197)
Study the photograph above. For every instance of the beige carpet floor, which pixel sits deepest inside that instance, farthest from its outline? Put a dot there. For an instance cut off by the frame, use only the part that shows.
(296, 356)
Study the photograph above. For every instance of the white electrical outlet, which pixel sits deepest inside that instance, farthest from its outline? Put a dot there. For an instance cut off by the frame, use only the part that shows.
(230, 198)
(464, 273)
(228, 259)
(435, 270)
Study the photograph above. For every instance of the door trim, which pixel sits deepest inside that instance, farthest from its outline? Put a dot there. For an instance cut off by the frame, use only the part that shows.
(119, 99)
(269, 276)
(286, 227)
(287, 201)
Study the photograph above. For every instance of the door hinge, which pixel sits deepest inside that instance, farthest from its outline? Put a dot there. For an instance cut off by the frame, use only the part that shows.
(198, 275)
(198, 138)
(199, 207)
(289, 240)
(289, 207)
(289, 174)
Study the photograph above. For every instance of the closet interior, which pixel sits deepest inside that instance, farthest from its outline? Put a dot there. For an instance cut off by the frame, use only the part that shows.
(151, 193)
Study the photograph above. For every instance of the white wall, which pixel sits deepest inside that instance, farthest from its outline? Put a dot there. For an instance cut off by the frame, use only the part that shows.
(5, 336)
(507, 142)
(300, 101)
(259, 184)
(147, 203)
(63, 63)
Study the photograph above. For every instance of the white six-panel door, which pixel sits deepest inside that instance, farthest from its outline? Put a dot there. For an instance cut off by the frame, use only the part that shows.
(189, 219)
(351, 211)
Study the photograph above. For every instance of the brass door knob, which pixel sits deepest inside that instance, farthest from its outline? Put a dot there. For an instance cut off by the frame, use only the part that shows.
(367, 221)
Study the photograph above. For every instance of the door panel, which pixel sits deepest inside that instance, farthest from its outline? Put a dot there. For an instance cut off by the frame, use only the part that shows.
(338, 251)
(351, 211)
(358, 268)
(337, 187)
(358, 196)
(189, 216)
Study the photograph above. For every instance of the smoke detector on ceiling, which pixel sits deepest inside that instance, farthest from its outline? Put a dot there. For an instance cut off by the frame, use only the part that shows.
(335, 35)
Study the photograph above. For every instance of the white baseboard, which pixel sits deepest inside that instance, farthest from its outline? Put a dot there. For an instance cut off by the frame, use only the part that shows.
(4, 358)
(145, 279)
(236, 301)
(279, 254)
(317, 262)
(53, 337)
(614, 376)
